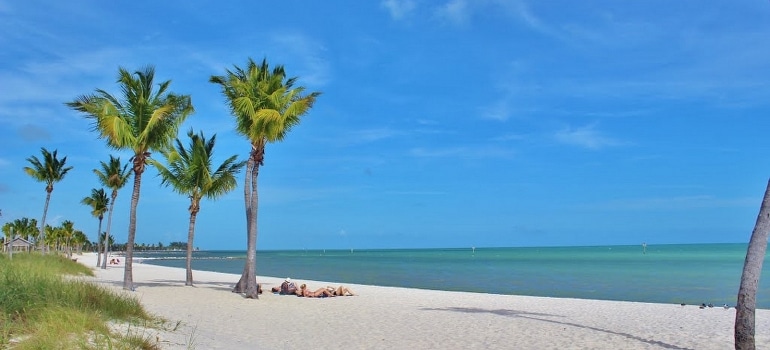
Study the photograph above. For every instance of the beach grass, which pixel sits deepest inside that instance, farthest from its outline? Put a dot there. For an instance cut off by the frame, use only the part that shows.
(44, 305)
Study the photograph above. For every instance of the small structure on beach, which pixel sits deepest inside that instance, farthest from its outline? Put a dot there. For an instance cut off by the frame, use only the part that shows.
(18, 244)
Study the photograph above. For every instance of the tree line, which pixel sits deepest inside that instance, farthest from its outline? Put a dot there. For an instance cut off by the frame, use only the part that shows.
(65, 238)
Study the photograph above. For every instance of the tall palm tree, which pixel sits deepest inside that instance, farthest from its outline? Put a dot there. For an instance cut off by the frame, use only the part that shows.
(51, 170)
(146, 119)
(752, 267)
(98, 202)
(114, 176)
(266, 105)
(190, 173)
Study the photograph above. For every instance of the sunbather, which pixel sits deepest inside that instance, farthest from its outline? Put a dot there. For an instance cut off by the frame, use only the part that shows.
(303, 291)
(287, 288)
(340, 291)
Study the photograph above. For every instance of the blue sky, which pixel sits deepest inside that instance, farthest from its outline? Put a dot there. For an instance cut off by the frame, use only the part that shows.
(441, 124)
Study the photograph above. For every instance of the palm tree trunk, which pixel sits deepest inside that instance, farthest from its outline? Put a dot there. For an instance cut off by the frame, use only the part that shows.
(128, 273)
(252, 290)
(247, 285)
(109, 226)
(98, 247)
(190, 236)
(240, 287)
(44, 246)
(752, 267)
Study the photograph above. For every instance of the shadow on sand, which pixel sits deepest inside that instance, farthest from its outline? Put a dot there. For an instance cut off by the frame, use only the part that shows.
(539, 317)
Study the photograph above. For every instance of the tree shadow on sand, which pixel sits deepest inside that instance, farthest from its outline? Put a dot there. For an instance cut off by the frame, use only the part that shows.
(539, 317)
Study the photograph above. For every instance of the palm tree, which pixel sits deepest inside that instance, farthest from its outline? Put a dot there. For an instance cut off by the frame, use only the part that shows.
(25, 228)
(266, 105)
(67, 231)
(98, 202)
(8, 233)
(79, 239)
(50, 171)
(147, 119)
(189, 172)
(106, 239)
(752, 267)
(114, 176)
(52, 236)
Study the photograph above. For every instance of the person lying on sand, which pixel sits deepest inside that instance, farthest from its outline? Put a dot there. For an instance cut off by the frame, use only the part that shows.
(318, 293)
(287, 288)
(341, 291)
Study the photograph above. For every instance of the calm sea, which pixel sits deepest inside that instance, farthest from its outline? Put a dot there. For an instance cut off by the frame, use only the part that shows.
(687, 273)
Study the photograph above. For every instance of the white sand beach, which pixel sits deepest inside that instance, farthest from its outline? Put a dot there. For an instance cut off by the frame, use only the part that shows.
(210, 316)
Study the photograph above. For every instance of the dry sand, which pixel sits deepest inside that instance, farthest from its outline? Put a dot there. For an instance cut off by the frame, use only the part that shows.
(210, 316)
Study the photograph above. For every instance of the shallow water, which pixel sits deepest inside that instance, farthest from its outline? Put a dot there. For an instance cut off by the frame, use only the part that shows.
(686, 273)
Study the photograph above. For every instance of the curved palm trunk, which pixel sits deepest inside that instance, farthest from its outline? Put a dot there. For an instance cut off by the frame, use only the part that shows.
(109, 226)
(752, 267)
(128, 272)
(43, 245)
(247, 285)
(194, 208)
(98, 247)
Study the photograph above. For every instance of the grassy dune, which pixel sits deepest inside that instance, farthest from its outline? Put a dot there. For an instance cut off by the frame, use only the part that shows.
(44, 305)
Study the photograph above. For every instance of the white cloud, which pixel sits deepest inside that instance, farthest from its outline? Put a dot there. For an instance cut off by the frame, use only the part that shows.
(399, 9)
(499, 111)
(676, 203)
(466, 152)
(371, 135)
(586, 137)
(455, 11)
(310, 52)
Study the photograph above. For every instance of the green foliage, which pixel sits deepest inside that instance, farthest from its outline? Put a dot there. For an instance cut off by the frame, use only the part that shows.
(47, 303)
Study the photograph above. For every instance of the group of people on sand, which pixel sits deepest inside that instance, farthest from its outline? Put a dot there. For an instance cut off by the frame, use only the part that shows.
(288, 287)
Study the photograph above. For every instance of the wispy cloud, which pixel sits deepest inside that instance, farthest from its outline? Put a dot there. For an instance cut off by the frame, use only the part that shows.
(371, 135)
(524, 14)
(311, 53)
(586, 136)
(399, 9)
(464, 152)
(499, 111)
(675, 203)
(34, 133)
(455, 11)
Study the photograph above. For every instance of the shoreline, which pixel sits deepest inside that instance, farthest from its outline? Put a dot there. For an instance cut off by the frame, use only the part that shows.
(212, 317)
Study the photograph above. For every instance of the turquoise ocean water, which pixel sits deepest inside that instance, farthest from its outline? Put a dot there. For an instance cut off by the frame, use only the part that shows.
(687, 273)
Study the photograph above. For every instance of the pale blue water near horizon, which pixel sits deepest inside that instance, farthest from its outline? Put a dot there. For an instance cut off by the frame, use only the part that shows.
(676, 273)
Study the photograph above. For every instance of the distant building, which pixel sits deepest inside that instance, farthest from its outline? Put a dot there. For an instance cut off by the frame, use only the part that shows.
(18, 244)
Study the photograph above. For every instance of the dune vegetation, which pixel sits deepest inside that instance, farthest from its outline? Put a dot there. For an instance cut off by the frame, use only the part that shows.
(48, 302)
